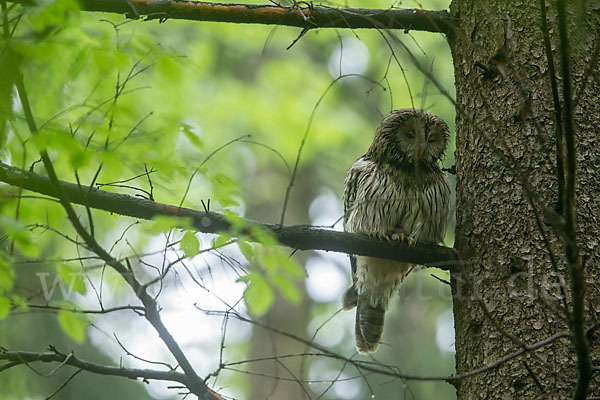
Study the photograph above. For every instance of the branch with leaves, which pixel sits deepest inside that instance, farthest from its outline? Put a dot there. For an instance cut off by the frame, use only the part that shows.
(151, 310)
(303, 14)
(297, 237)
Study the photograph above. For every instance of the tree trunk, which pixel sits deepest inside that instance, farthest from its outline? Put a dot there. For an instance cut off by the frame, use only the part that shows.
(505, 142)
(281, 379)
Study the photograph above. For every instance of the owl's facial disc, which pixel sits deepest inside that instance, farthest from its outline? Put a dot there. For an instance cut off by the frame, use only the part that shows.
(420, 141)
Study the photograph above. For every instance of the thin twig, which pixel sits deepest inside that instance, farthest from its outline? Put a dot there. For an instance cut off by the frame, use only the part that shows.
(560, 152)
(65, 383)
(392, 372)
(305, 136)
(582, 350)
(24, 357)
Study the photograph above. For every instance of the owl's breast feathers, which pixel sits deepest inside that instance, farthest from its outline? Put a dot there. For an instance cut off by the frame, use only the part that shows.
(382, 199)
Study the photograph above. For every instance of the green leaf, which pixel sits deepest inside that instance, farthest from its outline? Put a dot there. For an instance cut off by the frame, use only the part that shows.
(48, 14)
(72, 277)
(225, 190)
(20, 236)
(6, 88)
(269, 259)
(7, 275)
(20, 302)
(227, 201)
(79, 157)
(263, 236)
(247, 278)
(189, 133)
(259, 295)
(246, 250)
(287, 289)
(79, 62)
(170, 69)
(291, 266)
(73, 324)
(221, 240)
(164, 223)
(238, 225)
(190, 244)
(4, 307)
(274, 260)
(122, 60)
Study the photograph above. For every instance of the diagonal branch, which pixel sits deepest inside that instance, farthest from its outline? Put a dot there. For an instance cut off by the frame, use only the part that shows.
(151, 311)
(310, 17)
(25, 357)
(297, 237)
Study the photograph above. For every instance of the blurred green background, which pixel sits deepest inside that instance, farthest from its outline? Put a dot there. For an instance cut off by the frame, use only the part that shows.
(130, 95)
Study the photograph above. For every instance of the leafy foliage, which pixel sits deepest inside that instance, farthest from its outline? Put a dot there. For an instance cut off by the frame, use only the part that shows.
(73, 324)
(72, 277)
(115, 99)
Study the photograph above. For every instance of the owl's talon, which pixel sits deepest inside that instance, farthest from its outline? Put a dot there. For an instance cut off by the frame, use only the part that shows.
(410, 242)
(381, 236)
(395, 236)
(398, 236)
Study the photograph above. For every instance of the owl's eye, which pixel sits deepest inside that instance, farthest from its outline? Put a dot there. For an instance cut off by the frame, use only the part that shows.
(410, 135)
(431, 139)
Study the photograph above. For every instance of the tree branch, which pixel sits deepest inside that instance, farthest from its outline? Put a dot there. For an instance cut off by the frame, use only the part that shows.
(576, 272)
(560, 153)
(369, 366)
(24, 357)
(151, 313)
(313, 16)
(137, 309)
(298, 237)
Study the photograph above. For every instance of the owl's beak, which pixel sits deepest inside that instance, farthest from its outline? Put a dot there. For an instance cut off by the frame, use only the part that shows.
(421, 151)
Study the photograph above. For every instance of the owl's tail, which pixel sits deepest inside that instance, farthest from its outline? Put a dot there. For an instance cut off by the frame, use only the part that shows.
(369, 325)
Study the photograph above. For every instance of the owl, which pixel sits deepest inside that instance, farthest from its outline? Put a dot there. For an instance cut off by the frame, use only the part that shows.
(396, 191)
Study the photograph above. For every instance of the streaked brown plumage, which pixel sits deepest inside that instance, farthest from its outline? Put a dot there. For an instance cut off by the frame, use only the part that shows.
(396, 190)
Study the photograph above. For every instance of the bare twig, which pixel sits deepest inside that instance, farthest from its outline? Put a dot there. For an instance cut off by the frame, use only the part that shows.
(64, 384)
(560, 152)
(24, 357)
(137, 309)
(305, 136)
(577, 322)
(393, 372)
(171, 368)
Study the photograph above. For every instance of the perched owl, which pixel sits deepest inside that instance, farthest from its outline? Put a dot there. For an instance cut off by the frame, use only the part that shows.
(396, 191)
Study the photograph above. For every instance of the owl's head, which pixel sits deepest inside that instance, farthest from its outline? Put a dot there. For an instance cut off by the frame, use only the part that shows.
(411, 138)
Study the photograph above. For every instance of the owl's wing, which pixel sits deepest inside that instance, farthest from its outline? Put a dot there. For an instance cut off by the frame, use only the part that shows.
(354, 177)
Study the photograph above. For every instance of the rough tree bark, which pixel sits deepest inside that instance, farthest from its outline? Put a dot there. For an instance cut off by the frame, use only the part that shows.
(505, 137)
